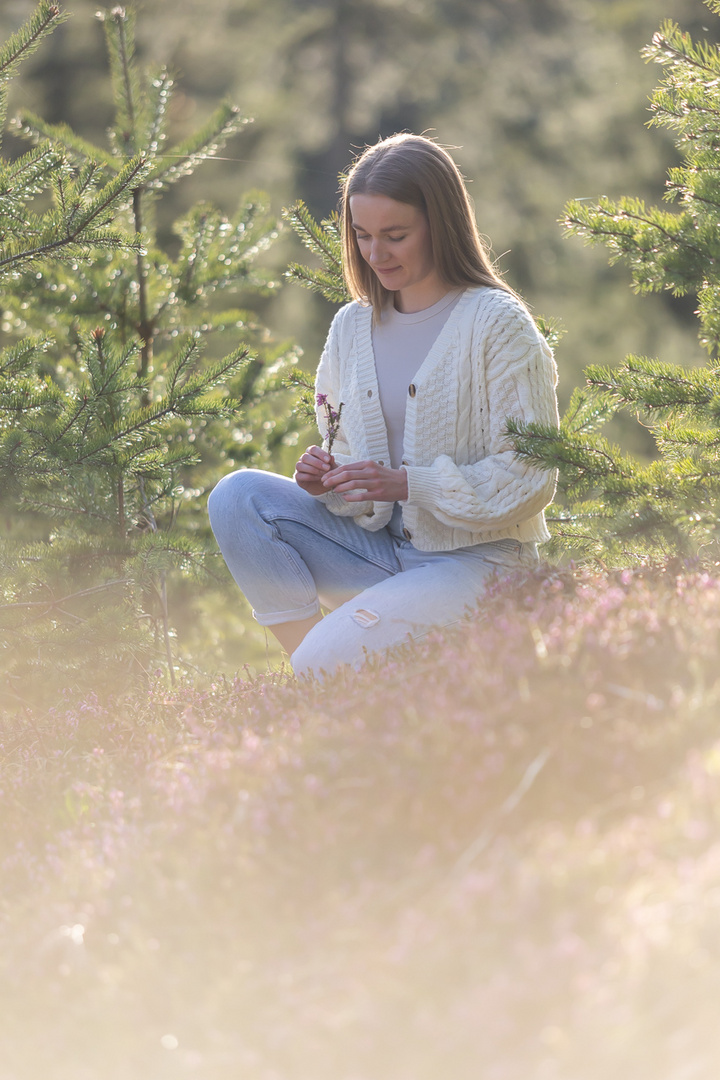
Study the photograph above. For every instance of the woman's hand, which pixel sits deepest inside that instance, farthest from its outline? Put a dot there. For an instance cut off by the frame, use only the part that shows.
(363, 480)
(311, 468)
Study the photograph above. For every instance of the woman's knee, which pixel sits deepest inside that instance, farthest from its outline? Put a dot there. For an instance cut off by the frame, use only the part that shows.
(346, 637)
(234, 495)
(314, 657)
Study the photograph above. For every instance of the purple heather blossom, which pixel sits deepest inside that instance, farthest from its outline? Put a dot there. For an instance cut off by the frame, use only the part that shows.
(323, 831)
(332, 417)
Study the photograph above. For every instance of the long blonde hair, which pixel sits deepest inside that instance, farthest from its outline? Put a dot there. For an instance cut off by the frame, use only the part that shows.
(415, 170)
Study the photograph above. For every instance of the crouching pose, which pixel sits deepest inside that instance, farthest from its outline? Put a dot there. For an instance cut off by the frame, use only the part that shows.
(415, 500)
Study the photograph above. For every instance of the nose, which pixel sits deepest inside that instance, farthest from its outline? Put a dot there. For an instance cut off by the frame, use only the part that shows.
(378, 254)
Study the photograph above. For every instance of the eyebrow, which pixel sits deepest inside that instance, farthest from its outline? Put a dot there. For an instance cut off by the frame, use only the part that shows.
(388, 228)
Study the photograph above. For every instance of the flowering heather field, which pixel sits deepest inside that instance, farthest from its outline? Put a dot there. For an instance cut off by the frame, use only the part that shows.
(495, 858)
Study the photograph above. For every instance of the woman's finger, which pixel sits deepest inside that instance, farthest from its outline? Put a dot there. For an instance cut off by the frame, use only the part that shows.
(356, 471)
(319, 454)
(366, 480)
(351, 484)
(318, 464)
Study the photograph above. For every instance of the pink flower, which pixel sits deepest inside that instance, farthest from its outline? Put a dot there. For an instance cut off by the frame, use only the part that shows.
(332, 417)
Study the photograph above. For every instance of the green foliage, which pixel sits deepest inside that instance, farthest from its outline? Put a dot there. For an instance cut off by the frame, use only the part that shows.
(90, 469)
(324, 240)
(304, 384)
(616, 507)
(120, 401)
(84, 203)
(23, 44)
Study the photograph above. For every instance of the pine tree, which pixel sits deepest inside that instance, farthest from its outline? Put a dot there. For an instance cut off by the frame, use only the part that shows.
(119, 401)
(83, 204)
(618, 508)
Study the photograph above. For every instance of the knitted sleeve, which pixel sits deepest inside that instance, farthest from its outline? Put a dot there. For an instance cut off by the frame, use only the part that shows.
(328, 382)
(515, 365)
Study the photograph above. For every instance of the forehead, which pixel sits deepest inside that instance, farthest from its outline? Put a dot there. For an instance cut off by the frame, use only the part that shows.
(378, 213)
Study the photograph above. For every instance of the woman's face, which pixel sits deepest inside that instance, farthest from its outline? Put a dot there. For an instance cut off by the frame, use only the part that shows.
(394, 239)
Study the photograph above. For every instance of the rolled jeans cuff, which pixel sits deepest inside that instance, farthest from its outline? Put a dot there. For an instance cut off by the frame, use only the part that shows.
(294, 615)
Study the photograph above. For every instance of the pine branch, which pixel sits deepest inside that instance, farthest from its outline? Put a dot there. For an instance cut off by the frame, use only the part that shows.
(61, 135)
(656, 386)
(205, 143)
(26, 40)
(187, 396)
(551, 329)
(23, 44)
(304, 383)
(218, 253)
(114, 194)
(84, 225)
(688, 441)
(675, 49)
(318, 281)
(20, 181)
(120, 38)
(159, 98)
(586, 412)
(18, 358)
(605, 221)
(324, 240)
(583, 466)
(23, 396)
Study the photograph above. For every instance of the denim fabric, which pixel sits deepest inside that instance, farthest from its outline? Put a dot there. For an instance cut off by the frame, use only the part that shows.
(290, 555)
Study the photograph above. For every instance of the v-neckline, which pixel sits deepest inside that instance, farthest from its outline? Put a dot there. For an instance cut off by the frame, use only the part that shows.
(436, 349)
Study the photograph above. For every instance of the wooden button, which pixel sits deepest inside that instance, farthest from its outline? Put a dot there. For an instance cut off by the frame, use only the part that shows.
(369, 393)
(407, 534)
(404, 462)
(412, 390)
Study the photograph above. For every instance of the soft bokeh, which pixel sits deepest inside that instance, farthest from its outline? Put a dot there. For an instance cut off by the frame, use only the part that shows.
(494, 857)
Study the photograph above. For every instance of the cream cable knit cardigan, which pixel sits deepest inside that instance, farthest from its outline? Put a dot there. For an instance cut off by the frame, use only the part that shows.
(465, 485)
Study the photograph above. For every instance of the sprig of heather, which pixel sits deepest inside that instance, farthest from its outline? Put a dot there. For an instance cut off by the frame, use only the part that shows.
(332, 419)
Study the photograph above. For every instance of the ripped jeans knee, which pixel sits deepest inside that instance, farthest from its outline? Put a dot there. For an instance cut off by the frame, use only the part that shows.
(365, 618)
(432, 591)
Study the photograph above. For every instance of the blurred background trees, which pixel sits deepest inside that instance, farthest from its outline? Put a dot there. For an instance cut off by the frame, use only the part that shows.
(545, 101)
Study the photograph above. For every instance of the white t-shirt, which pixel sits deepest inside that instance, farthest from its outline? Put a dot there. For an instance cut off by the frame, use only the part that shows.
(400, 343)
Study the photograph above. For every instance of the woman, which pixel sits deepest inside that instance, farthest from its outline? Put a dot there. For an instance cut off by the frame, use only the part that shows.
(415, 501)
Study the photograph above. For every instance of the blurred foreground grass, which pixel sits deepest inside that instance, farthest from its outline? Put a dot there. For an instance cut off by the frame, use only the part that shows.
(496, 857)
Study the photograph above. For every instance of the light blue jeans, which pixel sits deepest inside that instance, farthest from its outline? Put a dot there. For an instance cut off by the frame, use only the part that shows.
(290, 555)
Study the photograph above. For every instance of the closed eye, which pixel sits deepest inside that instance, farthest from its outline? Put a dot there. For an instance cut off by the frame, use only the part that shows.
(366, 236)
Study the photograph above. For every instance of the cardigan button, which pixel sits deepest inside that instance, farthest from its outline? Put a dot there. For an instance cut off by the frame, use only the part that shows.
(407, 534)
(412, 390)
(369, 393)
(404, 462)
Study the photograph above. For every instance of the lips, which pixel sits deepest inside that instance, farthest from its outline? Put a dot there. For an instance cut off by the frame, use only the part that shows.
(385, 270)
